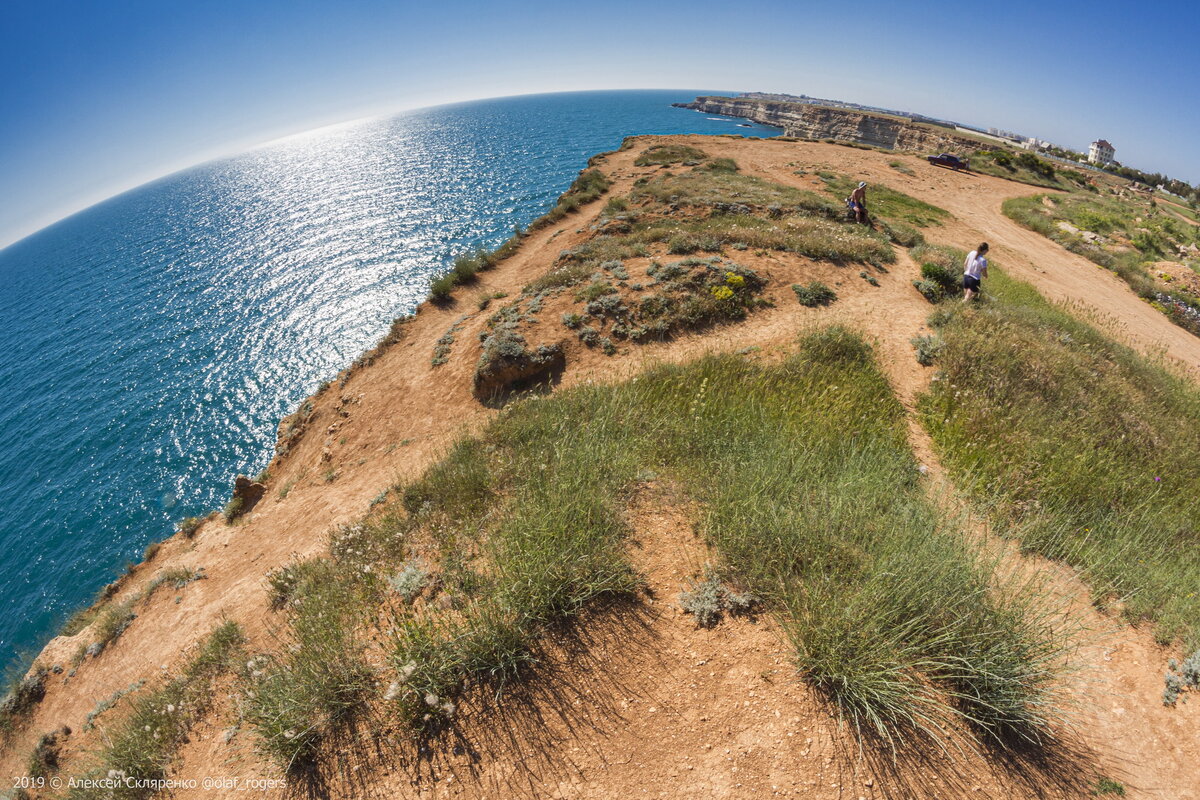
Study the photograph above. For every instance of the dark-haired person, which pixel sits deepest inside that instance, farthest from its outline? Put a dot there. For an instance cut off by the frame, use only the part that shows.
(974, 270)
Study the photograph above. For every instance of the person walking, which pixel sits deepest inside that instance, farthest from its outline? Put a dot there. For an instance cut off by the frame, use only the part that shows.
(974, 271)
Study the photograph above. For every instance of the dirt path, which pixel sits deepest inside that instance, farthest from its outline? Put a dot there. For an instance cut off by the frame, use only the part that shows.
(1061, 276)
(650, 704)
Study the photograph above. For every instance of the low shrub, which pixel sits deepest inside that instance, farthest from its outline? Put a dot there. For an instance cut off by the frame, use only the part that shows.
(931, 291)
(24, 693)
(616, 205)
(44, 761)
(902, 234)
(233, 509)
(176, 578)
(927, 348)
(709, 598)
(410, 580)
(834, 345)
(946, 279)
(1181, 678)
(589, 186)
(814, 294)
(113, 621)
(292, 580)
(441, 288)
(721, 165)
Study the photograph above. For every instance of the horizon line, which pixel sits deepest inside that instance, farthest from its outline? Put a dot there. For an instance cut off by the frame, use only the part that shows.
(242, 148)
(247, 147)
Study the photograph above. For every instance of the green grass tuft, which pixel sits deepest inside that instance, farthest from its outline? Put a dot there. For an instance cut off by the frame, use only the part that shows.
(189, 525)
(1107, 786)
(295, 698)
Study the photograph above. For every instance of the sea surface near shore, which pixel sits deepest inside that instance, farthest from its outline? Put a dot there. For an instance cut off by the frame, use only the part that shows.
(150, 344)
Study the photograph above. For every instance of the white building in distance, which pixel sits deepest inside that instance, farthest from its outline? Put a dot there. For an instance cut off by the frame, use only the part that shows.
(1101, 153)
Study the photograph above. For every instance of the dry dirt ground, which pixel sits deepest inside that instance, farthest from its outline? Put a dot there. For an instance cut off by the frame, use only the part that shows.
(645, 703)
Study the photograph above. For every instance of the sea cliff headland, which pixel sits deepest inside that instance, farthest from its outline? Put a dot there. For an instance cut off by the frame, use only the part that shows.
(815, 123)
(664, 493)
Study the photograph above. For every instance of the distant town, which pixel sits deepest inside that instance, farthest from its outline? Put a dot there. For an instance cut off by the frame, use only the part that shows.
(1101, 153)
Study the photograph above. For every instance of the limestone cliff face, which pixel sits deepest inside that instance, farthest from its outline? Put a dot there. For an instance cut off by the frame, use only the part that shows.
(806, 121)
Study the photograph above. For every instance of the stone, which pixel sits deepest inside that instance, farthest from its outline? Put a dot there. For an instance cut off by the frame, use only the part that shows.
(502, 371)
(249, 491)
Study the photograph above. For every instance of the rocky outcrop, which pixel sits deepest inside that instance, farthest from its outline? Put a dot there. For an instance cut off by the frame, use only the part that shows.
(24, 694)
(814, 122)
(507, 366)
(247, 492)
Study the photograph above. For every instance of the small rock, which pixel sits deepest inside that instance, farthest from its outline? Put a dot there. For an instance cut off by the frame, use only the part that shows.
(248, 490)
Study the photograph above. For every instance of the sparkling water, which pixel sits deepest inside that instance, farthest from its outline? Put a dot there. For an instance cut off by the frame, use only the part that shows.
(150, 345)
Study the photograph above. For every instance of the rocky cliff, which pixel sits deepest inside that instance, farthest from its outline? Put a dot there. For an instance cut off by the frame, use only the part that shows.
(807, 121)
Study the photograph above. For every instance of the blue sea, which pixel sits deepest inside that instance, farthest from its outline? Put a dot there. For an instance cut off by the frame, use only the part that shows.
(150, 345)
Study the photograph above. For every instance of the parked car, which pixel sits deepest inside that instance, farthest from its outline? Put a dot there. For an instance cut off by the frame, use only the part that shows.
(951, 161)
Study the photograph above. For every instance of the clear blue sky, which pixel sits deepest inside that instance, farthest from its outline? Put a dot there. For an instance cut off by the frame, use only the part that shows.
(97, 97)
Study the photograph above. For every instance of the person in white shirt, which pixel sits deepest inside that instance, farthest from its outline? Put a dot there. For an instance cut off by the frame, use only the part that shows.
(974, 270)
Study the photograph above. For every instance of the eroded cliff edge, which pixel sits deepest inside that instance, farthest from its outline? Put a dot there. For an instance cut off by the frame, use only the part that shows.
(815, 122)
